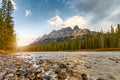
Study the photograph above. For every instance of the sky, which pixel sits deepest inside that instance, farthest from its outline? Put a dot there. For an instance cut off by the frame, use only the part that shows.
(34, 18)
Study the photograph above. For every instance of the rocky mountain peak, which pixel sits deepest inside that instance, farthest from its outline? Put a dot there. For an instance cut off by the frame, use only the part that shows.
(54, 31)
(67, 29)
(76, 27)
(62, 34)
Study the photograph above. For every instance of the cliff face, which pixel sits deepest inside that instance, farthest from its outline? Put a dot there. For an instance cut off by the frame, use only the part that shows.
(62, 34)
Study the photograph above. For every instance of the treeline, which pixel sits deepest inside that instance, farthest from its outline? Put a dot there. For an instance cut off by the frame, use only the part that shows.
(100, 40)
(7, 35)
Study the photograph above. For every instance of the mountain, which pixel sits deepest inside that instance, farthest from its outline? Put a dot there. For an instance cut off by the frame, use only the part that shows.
(62, 35)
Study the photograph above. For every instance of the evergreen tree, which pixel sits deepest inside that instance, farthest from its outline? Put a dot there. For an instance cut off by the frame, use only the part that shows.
(7, 35)
(118, 35)
(101, 39)
(1, 30)
(113, 38)
(77, 43)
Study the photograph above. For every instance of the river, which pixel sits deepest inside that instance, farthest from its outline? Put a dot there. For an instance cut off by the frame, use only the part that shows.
(95, 65)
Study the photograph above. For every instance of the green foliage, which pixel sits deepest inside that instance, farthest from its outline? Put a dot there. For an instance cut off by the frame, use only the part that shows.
(118, 35)
(98, 40)
(7, 35)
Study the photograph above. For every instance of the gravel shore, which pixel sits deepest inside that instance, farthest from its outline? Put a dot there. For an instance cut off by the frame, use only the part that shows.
(60, 67)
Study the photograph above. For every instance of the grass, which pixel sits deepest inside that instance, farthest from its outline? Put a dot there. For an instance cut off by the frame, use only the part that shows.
(6, 51)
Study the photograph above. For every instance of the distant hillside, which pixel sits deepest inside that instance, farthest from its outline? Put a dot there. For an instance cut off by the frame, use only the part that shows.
(63, 34)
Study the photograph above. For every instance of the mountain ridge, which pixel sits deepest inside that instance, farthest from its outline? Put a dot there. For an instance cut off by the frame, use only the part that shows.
(62, 35)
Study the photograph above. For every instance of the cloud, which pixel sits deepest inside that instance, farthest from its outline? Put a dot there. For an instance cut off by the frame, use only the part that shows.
(97, 10)
(114, 15)
(58, 22)
(14, 5)
(76, 20)
(27, 12)
(55, 21)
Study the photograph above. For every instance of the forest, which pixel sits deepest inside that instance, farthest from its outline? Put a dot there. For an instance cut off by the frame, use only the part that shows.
(7, 34)
(101, 41)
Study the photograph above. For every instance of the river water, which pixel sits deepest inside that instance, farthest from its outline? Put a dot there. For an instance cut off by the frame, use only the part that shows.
(105, 65)
(57, 55)
(35, 54)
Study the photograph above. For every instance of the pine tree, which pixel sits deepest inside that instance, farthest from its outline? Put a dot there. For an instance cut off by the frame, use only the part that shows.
(77, 43)
(1, 30)
(118, 35)
(101, 39)
(70, 46)
(7, 35)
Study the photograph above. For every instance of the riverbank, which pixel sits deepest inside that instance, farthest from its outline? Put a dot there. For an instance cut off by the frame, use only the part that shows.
(6, 51)
(81, 50)
(64, 66)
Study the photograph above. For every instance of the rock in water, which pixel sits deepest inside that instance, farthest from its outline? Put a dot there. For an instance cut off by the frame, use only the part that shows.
(84, 76)
(100, 79)
(38, 70)
(2, 74)
(0, 67)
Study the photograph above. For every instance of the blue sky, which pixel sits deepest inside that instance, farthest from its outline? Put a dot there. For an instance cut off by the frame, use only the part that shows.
(34, 18)
(31, 17)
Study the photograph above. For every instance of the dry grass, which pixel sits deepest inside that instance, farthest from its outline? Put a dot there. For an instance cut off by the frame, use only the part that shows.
(6, 51)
